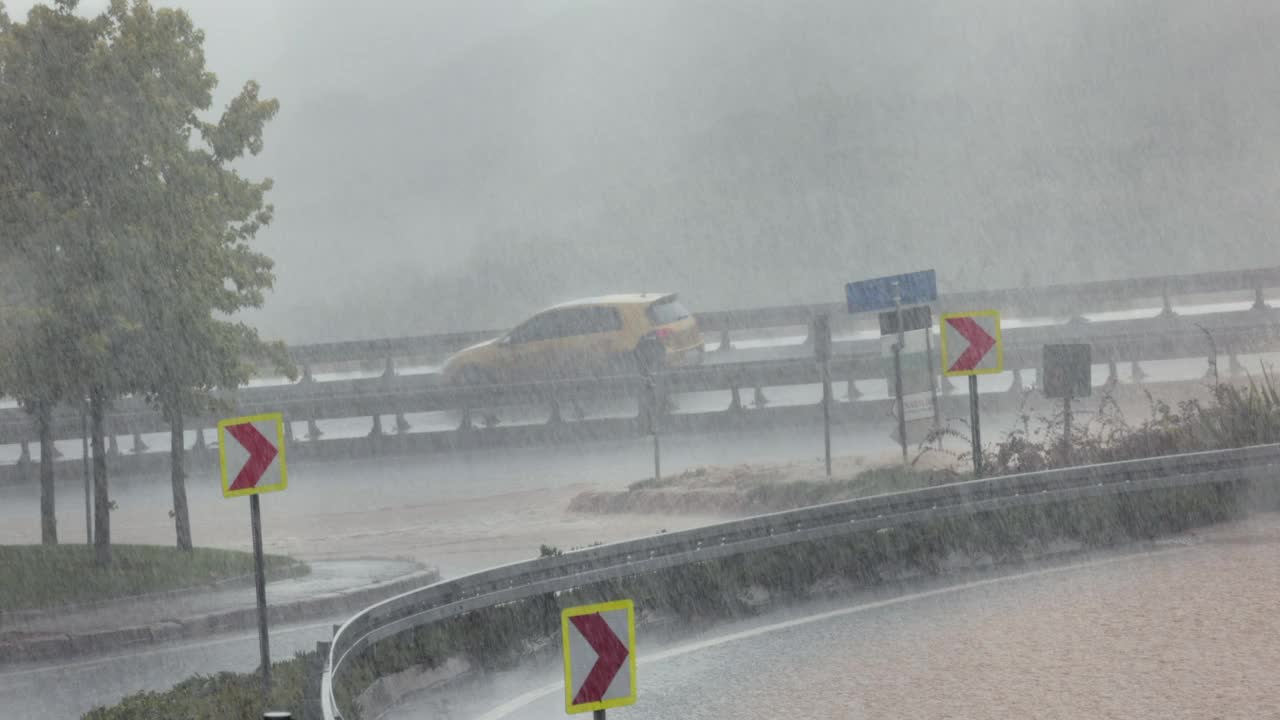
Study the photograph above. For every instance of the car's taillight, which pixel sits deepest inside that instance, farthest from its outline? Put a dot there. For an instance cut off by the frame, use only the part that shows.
(662, 333)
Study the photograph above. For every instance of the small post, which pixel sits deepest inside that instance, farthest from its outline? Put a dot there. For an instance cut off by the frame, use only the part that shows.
(897, 372)
(1066, 430)
(88, 491)
(597, 715)
(975, 429)
(260, 585)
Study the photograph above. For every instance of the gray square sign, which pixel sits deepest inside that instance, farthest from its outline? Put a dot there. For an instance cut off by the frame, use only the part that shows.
(1068, 371)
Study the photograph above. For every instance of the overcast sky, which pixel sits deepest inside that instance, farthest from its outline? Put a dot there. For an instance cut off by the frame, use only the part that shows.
(447, 165)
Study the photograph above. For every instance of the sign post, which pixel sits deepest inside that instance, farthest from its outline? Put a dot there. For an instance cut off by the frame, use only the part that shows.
(972, 346)
(599, 657)
(1068, 373)
(896, 292)
(257, 456)
(820, 331)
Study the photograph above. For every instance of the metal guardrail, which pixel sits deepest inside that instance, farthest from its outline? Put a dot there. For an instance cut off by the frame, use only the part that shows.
(516, 581)
(1157, 338)
(1051, 299)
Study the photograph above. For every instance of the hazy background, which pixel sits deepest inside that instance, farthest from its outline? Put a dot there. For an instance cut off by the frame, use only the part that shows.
(455, 164)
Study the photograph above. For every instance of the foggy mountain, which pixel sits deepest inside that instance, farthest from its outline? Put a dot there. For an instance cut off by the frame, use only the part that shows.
(747, 153)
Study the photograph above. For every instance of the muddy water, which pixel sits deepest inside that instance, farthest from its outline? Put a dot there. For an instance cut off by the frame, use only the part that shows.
(1190, 634)
(1191, 631)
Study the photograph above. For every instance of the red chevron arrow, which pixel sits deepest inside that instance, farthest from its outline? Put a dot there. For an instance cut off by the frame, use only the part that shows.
(261, 453)
(611, 655)
(979, 343)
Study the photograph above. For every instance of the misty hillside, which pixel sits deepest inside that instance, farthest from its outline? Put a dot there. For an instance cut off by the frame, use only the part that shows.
(751, 153)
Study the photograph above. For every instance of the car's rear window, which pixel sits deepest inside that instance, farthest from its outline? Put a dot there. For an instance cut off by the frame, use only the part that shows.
(667, 311)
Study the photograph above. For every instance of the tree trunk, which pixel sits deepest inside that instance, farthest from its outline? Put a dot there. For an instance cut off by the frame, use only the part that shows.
(48, 518)
(101, 500)
(178, 477)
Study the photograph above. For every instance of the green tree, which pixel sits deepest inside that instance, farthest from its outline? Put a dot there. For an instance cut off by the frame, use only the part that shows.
(43, 143)
(124, 204)
(193, 268)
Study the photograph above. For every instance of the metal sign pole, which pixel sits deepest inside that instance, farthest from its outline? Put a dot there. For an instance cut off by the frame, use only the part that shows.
(976, 429)
(826, 412)
(1066, 430)
(655, 400)
(597, 715)
(897, 372)
(260, 582)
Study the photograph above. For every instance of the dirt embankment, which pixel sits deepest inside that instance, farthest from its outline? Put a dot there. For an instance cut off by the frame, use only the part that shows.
(757, 488)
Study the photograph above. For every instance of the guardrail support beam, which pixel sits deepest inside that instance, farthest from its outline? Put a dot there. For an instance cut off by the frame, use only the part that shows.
(139, 447)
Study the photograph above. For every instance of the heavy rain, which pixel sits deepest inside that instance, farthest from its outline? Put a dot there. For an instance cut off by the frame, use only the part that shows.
(698, 358)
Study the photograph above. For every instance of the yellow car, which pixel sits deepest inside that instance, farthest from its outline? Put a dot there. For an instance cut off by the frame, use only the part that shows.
(594, 336)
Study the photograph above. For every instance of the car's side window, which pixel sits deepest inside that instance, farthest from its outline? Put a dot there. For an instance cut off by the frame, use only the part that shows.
(591, 320)
(538, 327)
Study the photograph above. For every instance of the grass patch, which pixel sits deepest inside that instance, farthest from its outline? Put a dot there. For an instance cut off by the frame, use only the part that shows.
(45, 576)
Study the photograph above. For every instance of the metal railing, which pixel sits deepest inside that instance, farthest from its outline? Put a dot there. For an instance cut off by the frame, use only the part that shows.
(517, 581)
(1157, 338)
(1051, 299)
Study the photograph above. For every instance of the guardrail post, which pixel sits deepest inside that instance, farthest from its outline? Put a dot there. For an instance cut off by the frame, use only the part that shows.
(466, 426)
(306, 374)
(389, 372)
(139, 447)
(199, 448)
(1138, 374)
(725, 343)
(1017, 387)
(1234, 368)
(1113, 376)
(402, 424)
(1259, 300)
(735, 397)
(288, 430)
(1166, 309)
(759, 399)
(556, 418)
(377, 426)
(313, 430)
(24, 455)
(113, 444)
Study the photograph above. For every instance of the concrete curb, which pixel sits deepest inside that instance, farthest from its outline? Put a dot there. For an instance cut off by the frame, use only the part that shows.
(60, 646)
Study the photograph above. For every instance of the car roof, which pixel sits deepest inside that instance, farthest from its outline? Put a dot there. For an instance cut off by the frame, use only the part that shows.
(619, 299)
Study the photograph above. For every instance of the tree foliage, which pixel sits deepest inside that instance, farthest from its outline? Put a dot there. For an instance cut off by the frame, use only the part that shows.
(122, 201)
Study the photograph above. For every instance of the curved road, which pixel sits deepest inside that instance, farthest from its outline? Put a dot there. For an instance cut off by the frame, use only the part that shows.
(1187, 632)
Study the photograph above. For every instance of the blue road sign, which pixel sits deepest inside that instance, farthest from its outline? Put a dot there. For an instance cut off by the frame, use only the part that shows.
(914, 288)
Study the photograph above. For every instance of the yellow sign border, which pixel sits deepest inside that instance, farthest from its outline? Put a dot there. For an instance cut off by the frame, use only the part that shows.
(999, 348)
(567, 613)
(222, 455)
